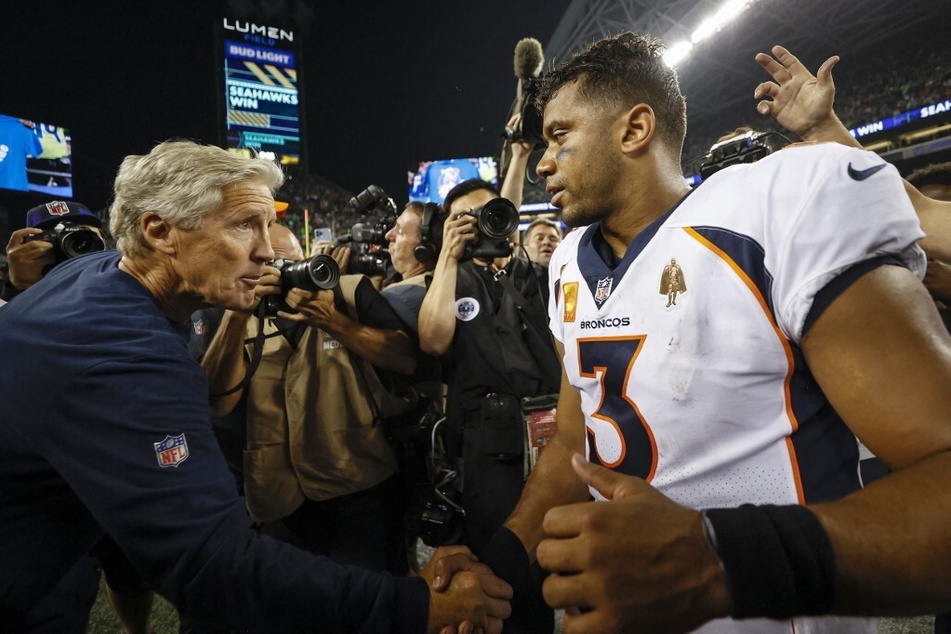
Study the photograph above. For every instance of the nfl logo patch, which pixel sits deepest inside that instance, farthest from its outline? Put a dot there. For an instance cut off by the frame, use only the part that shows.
(172, 451)
(603, 290)
(57, 208)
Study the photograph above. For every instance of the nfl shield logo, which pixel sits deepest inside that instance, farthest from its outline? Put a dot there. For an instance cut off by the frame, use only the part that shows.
(57, 208)
(603, 290)
(172, 451)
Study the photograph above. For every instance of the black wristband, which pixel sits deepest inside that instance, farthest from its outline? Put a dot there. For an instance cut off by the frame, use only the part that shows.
(778, 560)
(507, 558)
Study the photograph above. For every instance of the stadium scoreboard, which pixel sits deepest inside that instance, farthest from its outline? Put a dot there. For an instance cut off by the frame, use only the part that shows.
(261, 110)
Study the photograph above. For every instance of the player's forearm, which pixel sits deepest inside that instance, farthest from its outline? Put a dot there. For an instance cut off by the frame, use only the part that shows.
(891, 542)
(437, 314)
(224, 362)
(552, 483)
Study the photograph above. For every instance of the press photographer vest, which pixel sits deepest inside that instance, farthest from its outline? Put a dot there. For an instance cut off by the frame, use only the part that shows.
(313, 432)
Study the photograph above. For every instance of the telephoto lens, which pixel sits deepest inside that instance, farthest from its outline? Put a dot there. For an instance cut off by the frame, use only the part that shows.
(314, 273)
(497, 219)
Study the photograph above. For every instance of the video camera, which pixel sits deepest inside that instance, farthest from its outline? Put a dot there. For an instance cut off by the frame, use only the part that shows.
(496, 221)
(319, 272)
(368, 251)
(747, 147)
(69, 240)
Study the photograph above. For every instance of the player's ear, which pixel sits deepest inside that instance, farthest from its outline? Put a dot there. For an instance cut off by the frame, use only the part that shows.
(638, 128)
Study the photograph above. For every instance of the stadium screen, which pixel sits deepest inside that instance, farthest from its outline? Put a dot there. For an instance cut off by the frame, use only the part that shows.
(433, 180)
(35, 157)
(262, 102)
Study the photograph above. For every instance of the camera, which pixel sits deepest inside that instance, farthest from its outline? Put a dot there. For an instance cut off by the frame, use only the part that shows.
(747, 147)
(69, 240)
(315, 273)
(531, 128)
(496, 221)
(367, 239)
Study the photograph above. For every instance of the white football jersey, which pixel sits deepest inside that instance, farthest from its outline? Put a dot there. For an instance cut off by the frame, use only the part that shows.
(686, 354)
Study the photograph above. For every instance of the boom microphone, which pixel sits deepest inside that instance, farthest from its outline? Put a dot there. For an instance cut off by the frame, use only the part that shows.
(529, 58)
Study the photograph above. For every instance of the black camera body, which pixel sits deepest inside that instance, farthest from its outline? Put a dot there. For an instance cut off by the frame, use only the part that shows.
(496, 221)
(69, 240)
(367, 239)
(315, 273)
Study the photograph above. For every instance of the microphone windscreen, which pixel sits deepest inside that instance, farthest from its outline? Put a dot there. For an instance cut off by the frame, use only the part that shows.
(528, 58)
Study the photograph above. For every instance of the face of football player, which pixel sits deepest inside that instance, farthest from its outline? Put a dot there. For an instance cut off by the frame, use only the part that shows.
(285, 244)
(221, 261)
(404, 238)
(541, 243)
(582, 162)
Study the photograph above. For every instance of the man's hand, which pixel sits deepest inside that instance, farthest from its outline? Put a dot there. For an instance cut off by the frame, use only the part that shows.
(800, 101)
(28, 260)
(460, 230)
(315, 307)
(268, 284)
(637, 563)
(464, 595)
(520, 149)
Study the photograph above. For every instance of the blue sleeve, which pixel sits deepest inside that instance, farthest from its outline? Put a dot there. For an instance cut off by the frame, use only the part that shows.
(182, 524)
(406, 300)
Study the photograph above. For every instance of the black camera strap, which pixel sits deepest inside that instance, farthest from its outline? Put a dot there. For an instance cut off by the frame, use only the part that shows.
(257, 350)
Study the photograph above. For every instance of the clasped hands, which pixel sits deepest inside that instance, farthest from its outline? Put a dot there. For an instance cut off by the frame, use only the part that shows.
(636, 563)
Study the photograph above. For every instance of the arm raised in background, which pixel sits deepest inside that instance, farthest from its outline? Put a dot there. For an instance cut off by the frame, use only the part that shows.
(802, 103)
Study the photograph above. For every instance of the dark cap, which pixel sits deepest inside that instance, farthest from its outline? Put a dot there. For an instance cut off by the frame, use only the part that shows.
(52, 213)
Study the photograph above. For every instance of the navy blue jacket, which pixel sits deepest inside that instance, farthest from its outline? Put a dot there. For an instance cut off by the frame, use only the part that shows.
(105, 427)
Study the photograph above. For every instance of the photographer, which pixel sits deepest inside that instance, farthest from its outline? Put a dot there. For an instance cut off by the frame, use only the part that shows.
(37, 248)
(317, 461)
(106, 428)
(487, 314)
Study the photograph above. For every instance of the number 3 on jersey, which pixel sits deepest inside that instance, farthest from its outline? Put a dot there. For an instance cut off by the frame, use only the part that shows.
(618, 437)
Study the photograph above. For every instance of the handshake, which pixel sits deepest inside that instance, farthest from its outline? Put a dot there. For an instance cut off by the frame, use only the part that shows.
(464, 595)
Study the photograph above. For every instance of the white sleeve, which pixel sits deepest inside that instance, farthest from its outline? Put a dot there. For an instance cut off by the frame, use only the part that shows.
(832, 207)
(566, 251)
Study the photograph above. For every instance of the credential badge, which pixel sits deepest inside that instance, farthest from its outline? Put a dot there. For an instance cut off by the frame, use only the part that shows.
(467, 308)
(172, 451)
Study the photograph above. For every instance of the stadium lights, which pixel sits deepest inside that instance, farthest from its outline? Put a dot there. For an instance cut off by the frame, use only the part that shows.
(724, 15)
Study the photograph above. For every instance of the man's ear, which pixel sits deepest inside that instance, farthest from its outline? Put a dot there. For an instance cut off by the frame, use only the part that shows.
(157, 233)
(639, 126)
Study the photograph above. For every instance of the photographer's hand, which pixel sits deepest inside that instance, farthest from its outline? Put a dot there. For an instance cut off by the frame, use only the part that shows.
(268, 284)
(342, 256)
(27, 260)
(459, 231)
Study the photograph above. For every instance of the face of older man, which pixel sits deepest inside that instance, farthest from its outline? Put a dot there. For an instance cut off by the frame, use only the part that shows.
(541, 243)
(221, 261)
(403, 239)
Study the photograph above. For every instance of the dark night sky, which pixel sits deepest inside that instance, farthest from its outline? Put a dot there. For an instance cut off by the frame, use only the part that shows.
(385, 83)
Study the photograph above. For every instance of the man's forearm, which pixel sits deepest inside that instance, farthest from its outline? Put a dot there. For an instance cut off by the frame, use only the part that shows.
(552, 483)
(891, 543)
(437, 315)
(224, 362)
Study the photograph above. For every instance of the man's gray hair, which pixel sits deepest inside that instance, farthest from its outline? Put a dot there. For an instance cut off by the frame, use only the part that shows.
(182, 181)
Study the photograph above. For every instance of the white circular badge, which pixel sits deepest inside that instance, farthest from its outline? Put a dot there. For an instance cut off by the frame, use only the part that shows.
(467, 308)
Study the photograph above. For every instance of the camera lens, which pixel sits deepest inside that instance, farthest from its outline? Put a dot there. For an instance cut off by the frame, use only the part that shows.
(498, 219)
(315, 273)
(79, 241)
